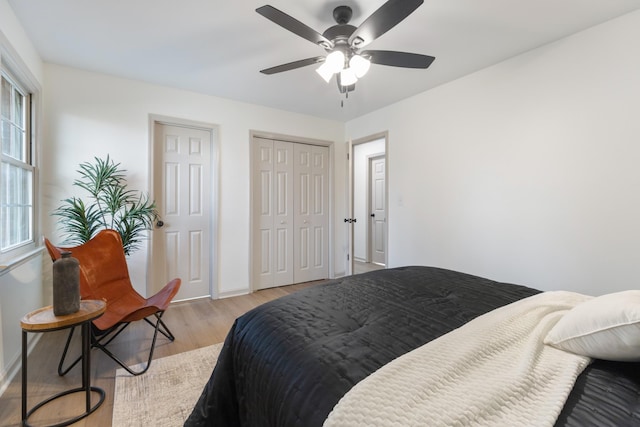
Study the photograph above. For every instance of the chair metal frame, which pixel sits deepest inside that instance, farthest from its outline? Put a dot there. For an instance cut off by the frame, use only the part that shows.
(96, 339)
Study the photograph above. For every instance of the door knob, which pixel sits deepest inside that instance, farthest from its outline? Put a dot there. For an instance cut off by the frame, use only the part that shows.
(160, 223)
(373, 215)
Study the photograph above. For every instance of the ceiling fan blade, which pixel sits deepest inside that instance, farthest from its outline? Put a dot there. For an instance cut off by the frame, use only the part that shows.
(293, 65)
(382, 20)
(289, 23)
(398, 59)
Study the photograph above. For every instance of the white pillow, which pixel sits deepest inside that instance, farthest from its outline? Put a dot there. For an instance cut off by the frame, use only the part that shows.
(605, 327)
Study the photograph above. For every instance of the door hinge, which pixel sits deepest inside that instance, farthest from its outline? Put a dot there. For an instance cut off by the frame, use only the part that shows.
(347, 257)
(347, 156)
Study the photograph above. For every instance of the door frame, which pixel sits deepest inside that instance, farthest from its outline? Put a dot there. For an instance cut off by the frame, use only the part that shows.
(215, 193)
(350, 193)
(252, 153)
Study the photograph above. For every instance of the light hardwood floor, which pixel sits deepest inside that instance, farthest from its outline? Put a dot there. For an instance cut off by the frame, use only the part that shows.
(365, 267)
(195, 324)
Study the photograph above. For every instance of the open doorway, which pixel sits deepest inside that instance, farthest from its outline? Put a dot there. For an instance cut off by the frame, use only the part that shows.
(369, 204)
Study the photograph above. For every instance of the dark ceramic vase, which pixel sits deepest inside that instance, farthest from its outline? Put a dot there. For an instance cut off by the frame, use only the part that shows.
(66, 285)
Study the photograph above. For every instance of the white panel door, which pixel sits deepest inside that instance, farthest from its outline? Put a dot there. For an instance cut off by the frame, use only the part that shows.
(182, 175)
(273, 206)
(311, 201)
(263, 205)
(283, 266)
(378, 240)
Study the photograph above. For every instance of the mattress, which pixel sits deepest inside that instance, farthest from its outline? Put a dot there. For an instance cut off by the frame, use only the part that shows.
(289, 361)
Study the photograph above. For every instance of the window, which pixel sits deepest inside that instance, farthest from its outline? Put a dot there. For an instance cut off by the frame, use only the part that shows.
(16, 166)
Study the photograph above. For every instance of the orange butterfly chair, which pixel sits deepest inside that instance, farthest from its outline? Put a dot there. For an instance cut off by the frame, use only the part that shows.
(104, 275)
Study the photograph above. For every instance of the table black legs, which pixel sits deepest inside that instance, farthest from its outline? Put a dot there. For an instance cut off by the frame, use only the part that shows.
(86, 382)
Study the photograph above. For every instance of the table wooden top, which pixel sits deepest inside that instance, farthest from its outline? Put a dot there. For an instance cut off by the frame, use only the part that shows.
(43, 318)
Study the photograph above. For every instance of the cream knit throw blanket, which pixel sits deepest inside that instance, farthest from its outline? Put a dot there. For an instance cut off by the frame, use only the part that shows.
(493, 371)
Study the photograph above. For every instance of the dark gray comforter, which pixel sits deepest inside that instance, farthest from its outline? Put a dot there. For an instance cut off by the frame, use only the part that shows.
(288, 362)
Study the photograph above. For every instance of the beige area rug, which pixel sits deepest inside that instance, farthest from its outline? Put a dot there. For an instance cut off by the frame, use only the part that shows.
(165, 395)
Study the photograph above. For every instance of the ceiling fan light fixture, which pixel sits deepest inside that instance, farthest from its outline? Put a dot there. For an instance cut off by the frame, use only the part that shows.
(325, 71)
(360, 65)
(335, 61)
(348, 77)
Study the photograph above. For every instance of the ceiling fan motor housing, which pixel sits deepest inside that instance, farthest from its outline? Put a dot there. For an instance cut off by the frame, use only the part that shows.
(339, 34)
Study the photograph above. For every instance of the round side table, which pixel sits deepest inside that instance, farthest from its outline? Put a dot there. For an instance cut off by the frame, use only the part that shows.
(43, 320)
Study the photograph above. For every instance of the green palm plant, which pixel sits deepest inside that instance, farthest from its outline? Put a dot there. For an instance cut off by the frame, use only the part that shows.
(111, 205)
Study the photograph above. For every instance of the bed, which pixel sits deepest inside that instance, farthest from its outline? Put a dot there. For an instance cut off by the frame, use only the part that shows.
(290, 361)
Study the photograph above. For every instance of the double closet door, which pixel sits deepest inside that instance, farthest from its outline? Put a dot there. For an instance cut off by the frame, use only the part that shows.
(291, 217)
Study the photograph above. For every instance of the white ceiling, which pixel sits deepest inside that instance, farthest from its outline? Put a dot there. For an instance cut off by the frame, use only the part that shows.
(217, 47)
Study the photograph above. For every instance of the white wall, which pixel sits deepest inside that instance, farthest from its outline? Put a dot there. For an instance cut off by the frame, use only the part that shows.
(361, 208)
(91, 114)
(21, 283)
(527, 171)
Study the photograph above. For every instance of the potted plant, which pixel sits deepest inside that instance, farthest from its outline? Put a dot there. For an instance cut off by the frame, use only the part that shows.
(109, 205)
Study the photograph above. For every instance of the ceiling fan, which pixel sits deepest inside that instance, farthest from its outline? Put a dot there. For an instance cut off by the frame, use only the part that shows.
(344, 42)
